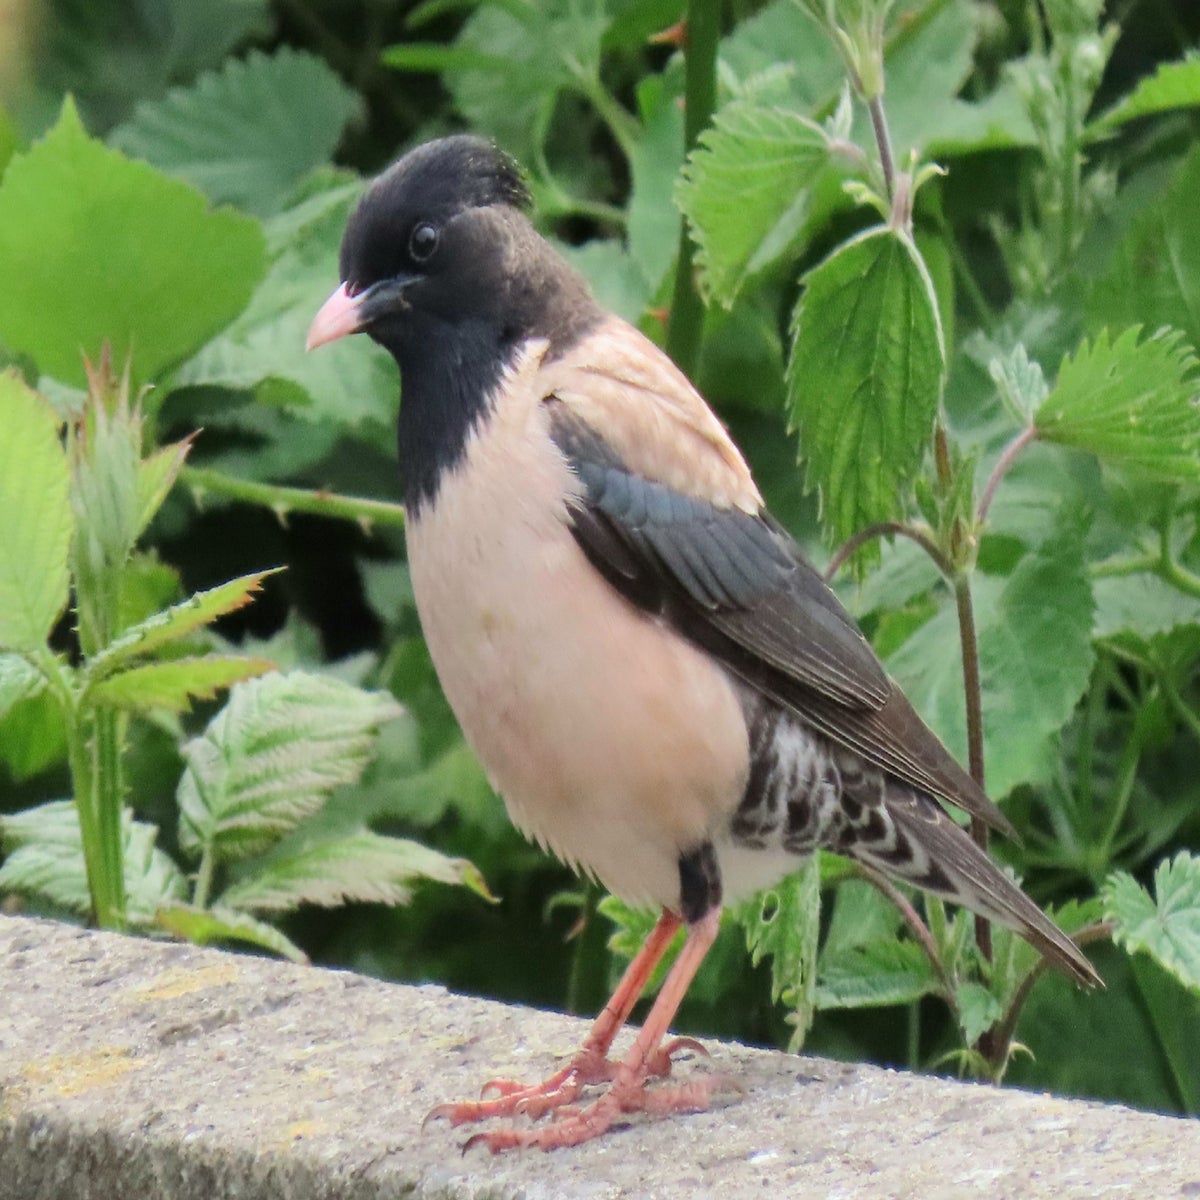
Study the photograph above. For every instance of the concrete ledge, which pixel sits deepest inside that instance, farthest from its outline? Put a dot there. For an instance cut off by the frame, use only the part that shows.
(133, 1069)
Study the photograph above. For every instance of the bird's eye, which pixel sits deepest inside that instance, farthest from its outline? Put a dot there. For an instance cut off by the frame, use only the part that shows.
(422, 242)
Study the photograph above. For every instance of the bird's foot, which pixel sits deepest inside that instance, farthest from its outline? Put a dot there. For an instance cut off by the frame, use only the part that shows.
(573, 1125)
(561, 1089)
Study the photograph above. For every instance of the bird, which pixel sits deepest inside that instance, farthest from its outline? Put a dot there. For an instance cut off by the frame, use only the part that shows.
(654, 677)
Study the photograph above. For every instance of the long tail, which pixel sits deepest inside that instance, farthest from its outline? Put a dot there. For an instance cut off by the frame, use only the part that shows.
(926, 848)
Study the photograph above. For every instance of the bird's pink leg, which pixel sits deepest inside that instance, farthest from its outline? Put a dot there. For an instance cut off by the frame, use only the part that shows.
(628, 1092)
(591, 1064)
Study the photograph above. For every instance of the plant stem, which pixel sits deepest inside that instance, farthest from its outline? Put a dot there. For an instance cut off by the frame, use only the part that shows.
(883, 140)
(589, 963)
(887, 529)
(109, 800)
(282, 500)
(620, 123)
(204, 877)
(685, 326)
(973, 691)
(1006, 1027)
(1070, 165)
(1002, 467)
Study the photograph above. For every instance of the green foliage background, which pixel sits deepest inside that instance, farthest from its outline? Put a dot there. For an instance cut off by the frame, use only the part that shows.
(185, 205)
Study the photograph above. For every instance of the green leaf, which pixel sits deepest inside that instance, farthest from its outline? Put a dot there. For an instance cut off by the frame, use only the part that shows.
(44, 857)
(433, 57)
(344, 384)
(513, 61)
(880, 973)
(176, 622)
(271, 757)
(926, 66)
(217, 924)
(861, 915)
(865, 378)
(33, 737)
(1131, 402)
(613, 275)
(363, 867)
(653, 222)
(745, 193)
(113, 54)
(8, 140)
(18, 681)
(785, 923)
(1166, 925)
(631, 928)
(1143, 605)
(156, 477)
(978, 1010)
(1153, 276)
(1020, 382)
(247, 134)
(36, 542)
(1035, 659)
(810, 72)
(90, 274)
(1174, 85)
(175, 684)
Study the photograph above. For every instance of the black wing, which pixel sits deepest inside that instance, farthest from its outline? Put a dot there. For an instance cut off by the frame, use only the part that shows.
(736, 584)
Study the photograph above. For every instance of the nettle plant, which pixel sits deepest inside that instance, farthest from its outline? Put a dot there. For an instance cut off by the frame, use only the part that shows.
(1033, 597)
(75, 506)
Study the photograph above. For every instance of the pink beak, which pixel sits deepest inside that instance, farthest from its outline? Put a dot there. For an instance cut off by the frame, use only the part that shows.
(336, 318)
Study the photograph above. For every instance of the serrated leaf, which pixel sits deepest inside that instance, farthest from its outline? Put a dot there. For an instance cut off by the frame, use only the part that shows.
(156, 477)
(18, 681)
(36, 542)
(1129, 401)
(865, 378)
(175, 684)
(89, 274)
(1174, 85)
(177, 622)
(345, 384)
(784, 923)
(1035, 658)
(1166, 925)
(744, 191)
(365, 867)
(207, 925)
(44, 857)
(248, 133)
(1020, 382)
(631, 928)
(271, 757)
(879, 973)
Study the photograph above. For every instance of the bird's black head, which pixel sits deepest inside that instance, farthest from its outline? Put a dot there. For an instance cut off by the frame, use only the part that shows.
(441, 239)
(441, 266)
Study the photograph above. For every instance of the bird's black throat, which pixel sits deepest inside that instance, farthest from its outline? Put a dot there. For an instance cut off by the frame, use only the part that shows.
(449, 377)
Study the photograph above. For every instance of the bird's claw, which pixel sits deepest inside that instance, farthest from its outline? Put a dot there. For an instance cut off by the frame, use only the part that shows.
(573, 1125)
